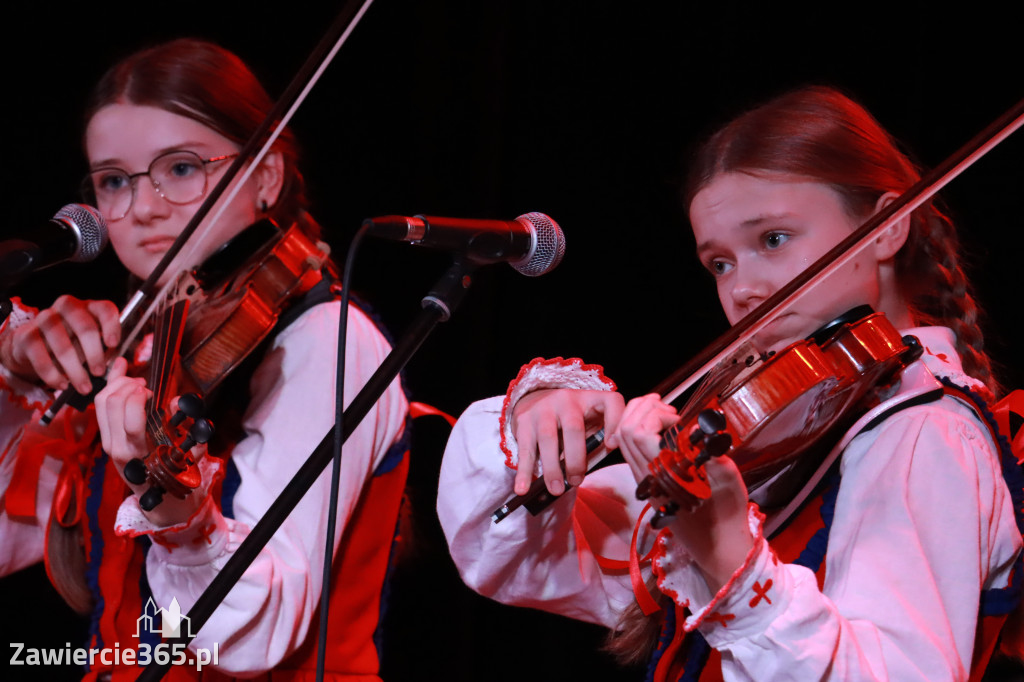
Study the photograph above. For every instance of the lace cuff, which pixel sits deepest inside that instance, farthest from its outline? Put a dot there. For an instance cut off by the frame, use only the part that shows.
(540, 373)
(752, 587)
(192, 542)
(21, 392)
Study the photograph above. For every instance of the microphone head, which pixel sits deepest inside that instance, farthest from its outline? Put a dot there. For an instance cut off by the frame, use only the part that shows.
(549, 245)
(89, 227)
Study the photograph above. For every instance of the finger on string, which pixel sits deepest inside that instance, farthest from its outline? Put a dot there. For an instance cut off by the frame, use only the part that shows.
(626, 421)
(640, 433)
(103, 403)
(632, 423)
(118, 369)
(124, 396)
(135, 416)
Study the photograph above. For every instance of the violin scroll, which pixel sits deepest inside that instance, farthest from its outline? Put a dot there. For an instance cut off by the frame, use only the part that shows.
(169, 467)
(678, 471)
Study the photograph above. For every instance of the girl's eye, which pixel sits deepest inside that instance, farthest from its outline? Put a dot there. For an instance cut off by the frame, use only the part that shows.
(111, 182)
(718, 267)
(774, 240)
(183, 169)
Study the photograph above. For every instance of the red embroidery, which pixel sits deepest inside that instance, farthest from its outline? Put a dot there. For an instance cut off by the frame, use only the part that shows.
(761, 592)
(204, 534)
(717, 617)
(164, 542)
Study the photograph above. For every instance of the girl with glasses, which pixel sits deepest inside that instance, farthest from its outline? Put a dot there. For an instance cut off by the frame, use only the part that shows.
(893, 552)
(160, 130)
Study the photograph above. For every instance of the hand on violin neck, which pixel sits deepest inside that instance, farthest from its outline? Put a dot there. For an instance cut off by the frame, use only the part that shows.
(638, 434)
(714, 530)
(63, 344)
(121, 411)
(552, 425)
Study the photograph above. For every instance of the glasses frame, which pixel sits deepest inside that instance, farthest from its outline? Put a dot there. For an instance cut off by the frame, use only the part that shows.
(89, 188)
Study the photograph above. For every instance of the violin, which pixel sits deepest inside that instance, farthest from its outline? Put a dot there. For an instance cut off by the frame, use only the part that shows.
(767, 412)
(212, 319)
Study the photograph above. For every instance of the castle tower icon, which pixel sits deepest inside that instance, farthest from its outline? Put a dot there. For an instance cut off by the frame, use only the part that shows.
(171, 620)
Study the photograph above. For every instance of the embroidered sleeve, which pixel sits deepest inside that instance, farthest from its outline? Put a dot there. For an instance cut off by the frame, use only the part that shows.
(895, 602)
(541, 373)
(750, 587)
(24, 394)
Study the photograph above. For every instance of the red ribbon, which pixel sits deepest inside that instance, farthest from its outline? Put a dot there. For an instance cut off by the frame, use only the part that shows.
(423, 410)
(648, 604)
(74, 449)
(1013, 404)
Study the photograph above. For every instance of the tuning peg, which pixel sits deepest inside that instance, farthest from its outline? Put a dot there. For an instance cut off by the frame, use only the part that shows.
(201, 432)
(646, 488)
(189, 405)
(135, 471)
(664, 515)
(711, 421)
(149, 500)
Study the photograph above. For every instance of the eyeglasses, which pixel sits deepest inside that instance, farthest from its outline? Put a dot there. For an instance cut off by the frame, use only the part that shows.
(179, 177)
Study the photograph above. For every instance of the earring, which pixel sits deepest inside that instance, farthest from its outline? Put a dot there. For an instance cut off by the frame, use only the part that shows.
(263, 205)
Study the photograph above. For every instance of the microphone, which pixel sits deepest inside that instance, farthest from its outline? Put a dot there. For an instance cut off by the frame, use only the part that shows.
(77, 233)
(533, 243)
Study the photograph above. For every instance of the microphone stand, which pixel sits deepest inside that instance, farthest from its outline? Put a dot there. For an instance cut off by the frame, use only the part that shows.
(438, 305)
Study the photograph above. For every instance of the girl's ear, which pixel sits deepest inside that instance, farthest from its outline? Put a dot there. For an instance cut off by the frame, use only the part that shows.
(269, 178)
(892, 239)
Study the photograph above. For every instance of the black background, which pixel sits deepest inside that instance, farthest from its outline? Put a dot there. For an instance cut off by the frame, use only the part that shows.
(581, 110)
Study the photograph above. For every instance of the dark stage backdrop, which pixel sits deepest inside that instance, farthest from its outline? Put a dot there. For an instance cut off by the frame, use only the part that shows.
(581, 110)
